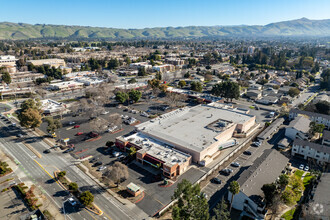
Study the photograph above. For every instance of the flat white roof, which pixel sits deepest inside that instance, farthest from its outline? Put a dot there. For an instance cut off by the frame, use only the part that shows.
(194, 128)
(158, 149)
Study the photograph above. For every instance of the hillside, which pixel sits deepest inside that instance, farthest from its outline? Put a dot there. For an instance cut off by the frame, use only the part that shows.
(300, 27)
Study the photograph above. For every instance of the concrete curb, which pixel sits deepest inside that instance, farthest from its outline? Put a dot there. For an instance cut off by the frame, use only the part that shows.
(33, 150)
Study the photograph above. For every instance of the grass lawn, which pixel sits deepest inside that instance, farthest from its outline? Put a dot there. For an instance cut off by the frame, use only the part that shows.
(289, 214)
(299, 173)
(307, 179)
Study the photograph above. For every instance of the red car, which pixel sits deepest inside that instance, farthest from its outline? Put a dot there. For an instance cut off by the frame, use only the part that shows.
(79, 133)
(76, 126)
(93, 134)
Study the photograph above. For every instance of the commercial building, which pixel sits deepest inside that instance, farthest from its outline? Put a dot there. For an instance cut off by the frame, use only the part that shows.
(308, 150)
(265, 170)
(164, 68)
(51, 62)
(175, 61)
(7, 61)
(200, 131)
(139, 65)
(23, 77)
(66, 85)
(51, 107)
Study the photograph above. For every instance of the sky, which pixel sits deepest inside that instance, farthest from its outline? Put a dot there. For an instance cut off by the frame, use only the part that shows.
(160, 13)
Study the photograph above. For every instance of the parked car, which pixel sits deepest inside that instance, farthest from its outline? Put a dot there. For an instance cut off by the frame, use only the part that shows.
(256, 143)
(93, 160)
(216, 180)
(306, 168)
(69, 150)
(72, 123)
(72, 201)
(93, 134)
(247, 152)
(104, 113)
(76, 126)
(121, 157)
(301, 166)
(19, 135)
(112, 128)
(144, 114)
(116, 154)
(79, 133)
(47, 151)
(130, 121)
(235, 164)
(101, 168)
(99, 163)
(226, 171)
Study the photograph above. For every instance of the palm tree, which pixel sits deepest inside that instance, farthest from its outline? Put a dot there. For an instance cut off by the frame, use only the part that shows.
(234, 189)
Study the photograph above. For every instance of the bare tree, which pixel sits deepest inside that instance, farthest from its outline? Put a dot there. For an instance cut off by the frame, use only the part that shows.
(98, 124)
(115, 119)
(173, 99)
(117, 173)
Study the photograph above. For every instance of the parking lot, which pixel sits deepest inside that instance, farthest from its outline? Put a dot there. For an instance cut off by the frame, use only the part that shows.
(215, 191)
(11, 206)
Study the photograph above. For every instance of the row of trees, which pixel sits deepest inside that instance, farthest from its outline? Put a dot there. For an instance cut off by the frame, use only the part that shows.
(133, 95)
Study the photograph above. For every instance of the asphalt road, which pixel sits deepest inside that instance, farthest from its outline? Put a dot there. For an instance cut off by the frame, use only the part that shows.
(40, 170)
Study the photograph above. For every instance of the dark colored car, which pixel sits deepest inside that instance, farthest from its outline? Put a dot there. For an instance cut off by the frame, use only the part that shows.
(247, 152)
(93, 134)
(216, 180)
(47, 151)
(99, 163)
(93, 160)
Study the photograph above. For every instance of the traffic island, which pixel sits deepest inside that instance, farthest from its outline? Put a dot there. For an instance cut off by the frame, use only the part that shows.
(94, 139)
(4, 169)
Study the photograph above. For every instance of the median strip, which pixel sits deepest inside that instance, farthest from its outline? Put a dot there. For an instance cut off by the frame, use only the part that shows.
(33, 150)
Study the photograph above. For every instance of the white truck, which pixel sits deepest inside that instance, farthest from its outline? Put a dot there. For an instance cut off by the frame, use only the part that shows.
(228, 144)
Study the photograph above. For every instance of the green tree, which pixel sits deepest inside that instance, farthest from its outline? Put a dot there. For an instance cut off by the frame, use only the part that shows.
(293, 92)
(113, 64)
(269, 191)
(158, 76)
(53, 124)
(86, 198)
(30, 118)
(227, 89)
(142, 72)
(186, 75)
(61, 174)
(31, 103)
(233, 188)
(73, 187)
(109, 143)
(283, 181)
(182, 83)
(131, 81)
(316, 128)
(191, 202)
(323, 107)
(221, 211)
(6, 77)
(127, 60)
(122, 97)
(196, 86)
(135, 95)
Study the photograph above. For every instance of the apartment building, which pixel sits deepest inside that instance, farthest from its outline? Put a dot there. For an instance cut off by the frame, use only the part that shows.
(309, 150)
(7, 61)
(298, 128)
(315, 117)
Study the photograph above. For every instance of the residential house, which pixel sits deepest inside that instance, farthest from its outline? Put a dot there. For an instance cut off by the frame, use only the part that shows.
(267, 100)
(253, 94)
(326, 138)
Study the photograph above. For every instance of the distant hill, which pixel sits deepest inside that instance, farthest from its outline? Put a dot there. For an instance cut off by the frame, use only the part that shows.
(300, 27)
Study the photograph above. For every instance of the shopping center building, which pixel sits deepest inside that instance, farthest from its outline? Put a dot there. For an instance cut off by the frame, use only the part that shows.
(191, 134)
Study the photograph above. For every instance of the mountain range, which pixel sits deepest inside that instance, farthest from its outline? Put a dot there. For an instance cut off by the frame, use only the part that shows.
(299, 27)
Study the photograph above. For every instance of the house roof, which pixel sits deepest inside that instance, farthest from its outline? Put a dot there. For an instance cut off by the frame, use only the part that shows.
(317, 147)
(265, 169)
(301, 124)
(310, 114)
(326, 135)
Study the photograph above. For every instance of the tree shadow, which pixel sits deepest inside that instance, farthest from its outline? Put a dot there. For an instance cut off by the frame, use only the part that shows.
(62, 193)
